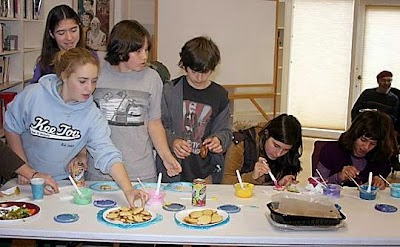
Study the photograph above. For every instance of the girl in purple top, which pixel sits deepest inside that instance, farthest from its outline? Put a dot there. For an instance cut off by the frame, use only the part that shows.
(366, 147)
(63, 31)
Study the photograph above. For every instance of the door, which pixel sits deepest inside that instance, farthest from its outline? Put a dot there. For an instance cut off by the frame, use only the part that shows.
(376, 44)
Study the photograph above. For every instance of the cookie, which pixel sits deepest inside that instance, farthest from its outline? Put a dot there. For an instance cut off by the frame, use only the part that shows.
(203, 151)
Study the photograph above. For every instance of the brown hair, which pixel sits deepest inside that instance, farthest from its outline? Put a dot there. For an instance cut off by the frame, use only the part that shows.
(377, 126)
(200, 54)
(126, 36)
(67, 61)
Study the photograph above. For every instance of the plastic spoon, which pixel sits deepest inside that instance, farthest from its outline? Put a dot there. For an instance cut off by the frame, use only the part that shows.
(354, 181)
(240, 179)
(158, 183)
(141, 184)
(75, 186)
(384, 179)
(322, 178)
(272, 176)
(369, 182)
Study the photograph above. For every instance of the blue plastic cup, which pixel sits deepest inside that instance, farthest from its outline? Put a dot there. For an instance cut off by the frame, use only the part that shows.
(37, 185)
(395, 190)
(368, 196)
(332, 190)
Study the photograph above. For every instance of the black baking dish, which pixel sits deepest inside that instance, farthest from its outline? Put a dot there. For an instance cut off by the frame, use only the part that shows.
(298, 220)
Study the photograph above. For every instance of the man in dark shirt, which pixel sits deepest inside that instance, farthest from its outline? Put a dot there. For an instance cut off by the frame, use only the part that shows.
(380, 98)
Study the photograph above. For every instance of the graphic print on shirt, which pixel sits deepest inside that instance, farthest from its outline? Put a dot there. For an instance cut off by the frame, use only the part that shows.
(195, 119)
(122, 107)
(43, 128)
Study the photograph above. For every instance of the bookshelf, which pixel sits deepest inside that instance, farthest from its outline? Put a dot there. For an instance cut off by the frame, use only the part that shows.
(20, 43)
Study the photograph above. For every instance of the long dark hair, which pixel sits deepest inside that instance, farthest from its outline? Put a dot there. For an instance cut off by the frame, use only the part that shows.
(377, 126)
(286, 129)
(49, 45)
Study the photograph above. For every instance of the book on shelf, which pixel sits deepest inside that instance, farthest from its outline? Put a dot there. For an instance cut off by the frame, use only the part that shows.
(8, 40)
(32, 9)
(6, 37)
(10, 8)
(4, 69)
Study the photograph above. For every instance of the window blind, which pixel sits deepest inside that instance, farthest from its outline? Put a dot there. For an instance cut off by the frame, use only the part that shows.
(320, 59)
(381, 49)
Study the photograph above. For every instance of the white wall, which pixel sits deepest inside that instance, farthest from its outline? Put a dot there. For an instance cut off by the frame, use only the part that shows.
(243, 30)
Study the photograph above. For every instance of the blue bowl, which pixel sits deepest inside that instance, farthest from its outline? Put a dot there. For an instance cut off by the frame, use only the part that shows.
(368, 196)
(395, 190)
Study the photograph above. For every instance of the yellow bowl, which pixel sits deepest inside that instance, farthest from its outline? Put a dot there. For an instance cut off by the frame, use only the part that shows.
(246, 192)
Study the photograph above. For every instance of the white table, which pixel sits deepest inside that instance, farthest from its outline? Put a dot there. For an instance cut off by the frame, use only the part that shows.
(364, 225)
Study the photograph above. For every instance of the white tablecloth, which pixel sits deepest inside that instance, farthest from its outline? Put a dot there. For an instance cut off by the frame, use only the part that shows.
(364, 225)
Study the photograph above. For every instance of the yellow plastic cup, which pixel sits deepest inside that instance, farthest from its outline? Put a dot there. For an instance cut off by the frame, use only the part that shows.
(247, 192)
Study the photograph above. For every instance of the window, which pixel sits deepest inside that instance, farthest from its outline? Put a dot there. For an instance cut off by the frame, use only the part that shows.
(320, 62)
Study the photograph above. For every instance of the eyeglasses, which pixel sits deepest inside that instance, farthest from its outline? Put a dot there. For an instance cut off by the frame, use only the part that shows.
(386, 80)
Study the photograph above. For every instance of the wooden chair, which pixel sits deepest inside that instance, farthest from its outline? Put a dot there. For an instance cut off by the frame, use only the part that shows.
(318, 144)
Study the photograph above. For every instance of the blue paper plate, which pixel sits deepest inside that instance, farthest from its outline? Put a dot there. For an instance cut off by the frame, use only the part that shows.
(180, 187)
(179, 219)
(105, 186)
(101, 218)
(66, 218)
(173, 206)
(386, 208)
(229, 208)
(104, 203)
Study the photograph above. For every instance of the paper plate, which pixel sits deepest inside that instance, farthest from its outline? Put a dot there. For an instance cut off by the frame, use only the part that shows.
(33, 208)
(105, 186)
(386, 208)
(104, 203)
(66, 218)
(229, 208)
(173, 206)
(179, 218)
(180, 187)
(116, 222)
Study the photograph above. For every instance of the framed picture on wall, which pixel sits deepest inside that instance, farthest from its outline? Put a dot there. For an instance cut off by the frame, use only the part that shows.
(97, 19)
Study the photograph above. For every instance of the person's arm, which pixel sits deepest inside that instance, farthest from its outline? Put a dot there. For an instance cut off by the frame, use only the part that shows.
(26, 172)
(37, 73)
(15, 143)
(120, 176)
(234, 159)
(11, 161)
(159, 139)
(222, 128)
(395, 111)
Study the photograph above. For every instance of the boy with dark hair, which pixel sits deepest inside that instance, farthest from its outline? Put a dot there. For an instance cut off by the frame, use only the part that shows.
(129, 95)
(196, 114)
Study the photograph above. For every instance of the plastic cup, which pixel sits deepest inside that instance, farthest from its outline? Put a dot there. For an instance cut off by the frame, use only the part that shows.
(395, 190)
(332, 190)
(368, 196)
(37, 185)
(247, 192)
(85, 198)
(156, 200)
